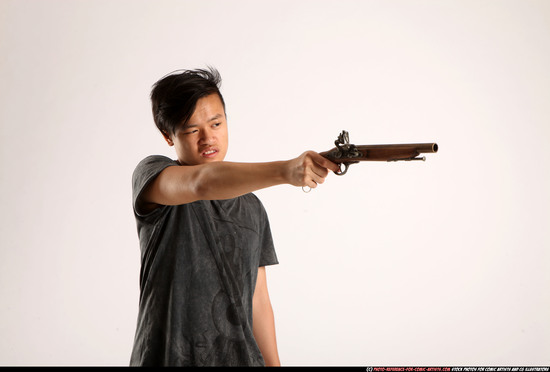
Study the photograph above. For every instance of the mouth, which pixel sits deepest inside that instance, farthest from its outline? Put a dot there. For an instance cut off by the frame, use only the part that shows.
(210, 152)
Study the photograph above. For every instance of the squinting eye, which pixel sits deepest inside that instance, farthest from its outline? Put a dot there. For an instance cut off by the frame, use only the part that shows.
(217, 124)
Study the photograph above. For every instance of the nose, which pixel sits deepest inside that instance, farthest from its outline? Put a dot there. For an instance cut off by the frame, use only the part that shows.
(207, 137)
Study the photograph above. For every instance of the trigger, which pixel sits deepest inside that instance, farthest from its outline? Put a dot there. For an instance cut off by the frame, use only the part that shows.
(341, 172)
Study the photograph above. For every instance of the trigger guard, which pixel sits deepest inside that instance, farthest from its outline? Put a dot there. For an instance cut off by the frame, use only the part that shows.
(341, 172)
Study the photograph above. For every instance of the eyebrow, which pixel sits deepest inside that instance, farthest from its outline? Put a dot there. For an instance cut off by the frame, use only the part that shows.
(213, 118)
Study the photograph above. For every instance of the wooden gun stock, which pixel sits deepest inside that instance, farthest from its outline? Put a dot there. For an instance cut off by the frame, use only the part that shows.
(346, 153)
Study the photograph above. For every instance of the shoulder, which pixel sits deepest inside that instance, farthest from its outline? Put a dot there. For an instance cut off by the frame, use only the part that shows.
(146, 171)
(251, 199)
(152, 164)
(153, 160)
(253, 204)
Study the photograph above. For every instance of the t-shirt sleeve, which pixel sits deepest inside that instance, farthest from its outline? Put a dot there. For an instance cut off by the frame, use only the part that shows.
(146, 171)
(268, 255)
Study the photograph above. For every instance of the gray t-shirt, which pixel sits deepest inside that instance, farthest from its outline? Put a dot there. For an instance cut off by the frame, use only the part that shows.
(199, 263)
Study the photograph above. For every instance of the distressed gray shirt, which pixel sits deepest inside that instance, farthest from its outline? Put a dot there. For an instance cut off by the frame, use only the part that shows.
(199, 263)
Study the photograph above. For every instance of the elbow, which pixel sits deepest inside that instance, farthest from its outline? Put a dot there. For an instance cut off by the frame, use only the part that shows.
(201, 186)
(200, 191)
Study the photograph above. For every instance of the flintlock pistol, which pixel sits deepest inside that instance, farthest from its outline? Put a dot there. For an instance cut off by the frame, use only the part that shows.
(346, 153)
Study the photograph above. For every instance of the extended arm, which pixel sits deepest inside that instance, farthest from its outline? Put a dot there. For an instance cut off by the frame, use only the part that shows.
(224, 180)
(263, 323)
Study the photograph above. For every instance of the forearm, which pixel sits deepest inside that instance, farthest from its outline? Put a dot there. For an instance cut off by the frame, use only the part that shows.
(264, 332)
(226, 180)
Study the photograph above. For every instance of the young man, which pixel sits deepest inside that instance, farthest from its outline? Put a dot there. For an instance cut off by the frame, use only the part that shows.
(205, 238)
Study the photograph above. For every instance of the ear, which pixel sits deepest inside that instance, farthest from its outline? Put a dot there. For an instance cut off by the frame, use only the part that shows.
(167, 138)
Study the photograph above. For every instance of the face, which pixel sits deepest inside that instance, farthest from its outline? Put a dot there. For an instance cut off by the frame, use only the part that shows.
(204, 138)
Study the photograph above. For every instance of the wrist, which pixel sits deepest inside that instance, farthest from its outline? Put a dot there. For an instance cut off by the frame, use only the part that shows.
(283, 173)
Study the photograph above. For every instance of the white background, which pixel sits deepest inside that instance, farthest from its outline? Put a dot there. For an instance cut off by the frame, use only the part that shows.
(443, 262)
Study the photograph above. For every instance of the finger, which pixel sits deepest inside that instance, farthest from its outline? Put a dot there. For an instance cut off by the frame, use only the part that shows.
(324, 162)
(319, 170)
(318, 174)
(311, 184)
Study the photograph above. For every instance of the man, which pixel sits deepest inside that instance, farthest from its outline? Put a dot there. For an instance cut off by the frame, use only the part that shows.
(205, 238)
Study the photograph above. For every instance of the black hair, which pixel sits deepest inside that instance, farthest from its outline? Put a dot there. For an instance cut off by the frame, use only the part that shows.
(175, 96)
